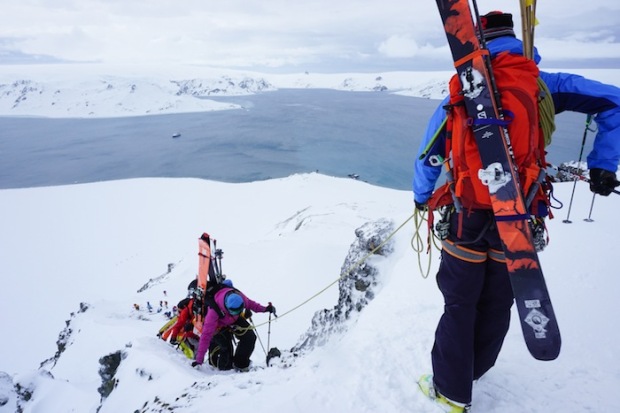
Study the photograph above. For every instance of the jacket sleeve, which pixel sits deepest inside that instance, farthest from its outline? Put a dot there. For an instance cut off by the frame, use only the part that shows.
(253, 305)
(208, 331)
(425, 175)
(181, 320)
(578, 94)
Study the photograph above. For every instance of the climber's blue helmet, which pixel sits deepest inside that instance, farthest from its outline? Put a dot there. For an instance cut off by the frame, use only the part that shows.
(234, 303)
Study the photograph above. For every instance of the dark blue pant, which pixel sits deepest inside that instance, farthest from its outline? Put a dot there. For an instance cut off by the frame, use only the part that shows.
(476, 317)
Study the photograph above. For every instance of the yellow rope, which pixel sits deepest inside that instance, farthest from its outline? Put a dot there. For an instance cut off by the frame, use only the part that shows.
(212, 354)
(546, 110)
(342, 275)
(418, 244)
(419, 218)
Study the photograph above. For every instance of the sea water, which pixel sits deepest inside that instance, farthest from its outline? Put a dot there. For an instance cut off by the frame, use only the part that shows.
(373, 136)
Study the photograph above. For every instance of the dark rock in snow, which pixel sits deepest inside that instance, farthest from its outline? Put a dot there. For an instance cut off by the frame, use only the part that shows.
(109, 366)
(357, 284)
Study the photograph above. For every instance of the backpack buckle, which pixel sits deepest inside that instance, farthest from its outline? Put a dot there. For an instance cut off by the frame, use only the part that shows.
(442, 228)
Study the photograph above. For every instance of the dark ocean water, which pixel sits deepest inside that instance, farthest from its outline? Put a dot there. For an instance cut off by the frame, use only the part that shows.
(374, 135)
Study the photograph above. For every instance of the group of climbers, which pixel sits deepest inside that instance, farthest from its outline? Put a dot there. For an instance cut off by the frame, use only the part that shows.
(210, 320)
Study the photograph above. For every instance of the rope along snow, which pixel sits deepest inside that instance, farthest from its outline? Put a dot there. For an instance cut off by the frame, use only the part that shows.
(344, 274)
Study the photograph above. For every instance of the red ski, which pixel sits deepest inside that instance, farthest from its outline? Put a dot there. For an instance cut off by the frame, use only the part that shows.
(498, 173)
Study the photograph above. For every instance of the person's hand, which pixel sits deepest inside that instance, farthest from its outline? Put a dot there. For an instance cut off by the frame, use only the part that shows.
(188, 327)
(270, 309)
(421, 206)
(603, 182)
(247, 314)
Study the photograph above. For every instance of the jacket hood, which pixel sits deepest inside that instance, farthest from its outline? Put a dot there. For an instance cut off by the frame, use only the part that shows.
(509, 44)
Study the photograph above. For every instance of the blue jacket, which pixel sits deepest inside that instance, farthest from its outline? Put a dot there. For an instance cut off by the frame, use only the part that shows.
(570, 93)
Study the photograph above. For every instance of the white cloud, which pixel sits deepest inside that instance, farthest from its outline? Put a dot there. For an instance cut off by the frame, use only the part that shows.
(399, 46)
(556, 49)
(251, 33)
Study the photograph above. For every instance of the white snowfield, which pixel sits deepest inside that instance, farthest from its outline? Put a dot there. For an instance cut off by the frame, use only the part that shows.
(284, 240)
(98, 90)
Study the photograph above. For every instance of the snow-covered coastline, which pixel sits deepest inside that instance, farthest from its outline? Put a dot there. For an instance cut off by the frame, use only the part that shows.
(98, 91)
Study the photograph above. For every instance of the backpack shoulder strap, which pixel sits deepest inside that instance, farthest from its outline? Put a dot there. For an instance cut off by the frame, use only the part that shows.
(210, 297)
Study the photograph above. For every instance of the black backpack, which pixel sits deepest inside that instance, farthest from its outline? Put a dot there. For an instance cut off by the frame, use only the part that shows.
(209, 296)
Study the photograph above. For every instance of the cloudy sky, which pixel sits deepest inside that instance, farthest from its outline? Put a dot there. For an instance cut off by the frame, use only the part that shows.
(286, 35)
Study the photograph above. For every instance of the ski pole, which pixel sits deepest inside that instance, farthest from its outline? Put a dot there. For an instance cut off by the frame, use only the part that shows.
(528, 23)
(269, 332)
(589, 219)
(259, 340)
(583, 144)
(217, 261)
(269, 328)
(578, 177)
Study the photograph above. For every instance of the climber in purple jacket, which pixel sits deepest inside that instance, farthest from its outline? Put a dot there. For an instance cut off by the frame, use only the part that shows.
(221, 323)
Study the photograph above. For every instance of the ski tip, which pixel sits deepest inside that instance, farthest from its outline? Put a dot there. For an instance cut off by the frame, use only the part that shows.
(549, 352)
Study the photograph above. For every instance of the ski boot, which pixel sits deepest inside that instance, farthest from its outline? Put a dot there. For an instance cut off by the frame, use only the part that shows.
(428, 388)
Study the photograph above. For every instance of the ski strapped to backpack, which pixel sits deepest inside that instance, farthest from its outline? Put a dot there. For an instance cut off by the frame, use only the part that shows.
(491, 171)
(209, 272)
(527, 111)
(210, 277)
(518, 86)
(209, 262)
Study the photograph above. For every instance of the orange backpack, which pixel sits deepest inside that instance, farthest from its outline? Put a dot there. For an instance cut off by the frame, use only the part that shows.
(516, 79)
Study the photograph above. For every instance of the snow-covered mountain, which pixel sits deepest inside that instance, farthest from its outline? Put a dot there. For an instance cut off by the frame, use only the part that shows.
(75, 260)
(109, 91)
(88, 91)
(113, 96)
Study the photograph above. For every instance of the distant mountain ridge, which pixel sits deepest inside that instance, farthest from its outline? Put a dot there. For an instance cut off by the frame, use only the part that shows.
(84, 94)
(119, 96)
(92, 91)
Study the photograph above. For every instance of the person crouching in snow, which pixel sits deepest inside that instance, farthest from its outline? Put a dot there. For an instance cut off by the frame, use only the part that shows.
(223, 322)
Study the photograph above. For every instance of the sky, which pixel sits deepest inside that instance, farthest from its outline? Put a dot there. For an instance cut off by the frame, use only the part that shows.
(285, 241)
(284, 36)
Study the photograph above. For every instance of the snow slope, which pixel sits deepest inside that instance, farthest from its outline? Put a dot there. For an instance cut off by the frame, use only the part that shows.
(284, 240)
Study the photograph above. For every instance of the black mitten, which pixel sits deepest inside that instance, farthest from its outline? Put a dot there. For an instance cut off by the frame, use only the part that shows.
(603, 182)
